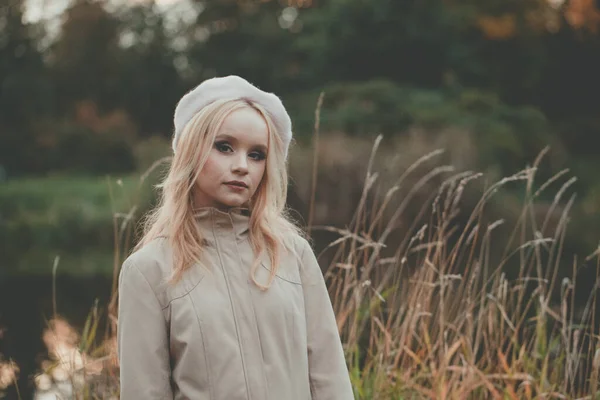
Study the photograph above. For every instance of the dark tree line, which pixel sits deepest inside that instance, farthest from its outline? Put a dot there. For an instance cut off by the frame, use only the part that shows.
(110, 77)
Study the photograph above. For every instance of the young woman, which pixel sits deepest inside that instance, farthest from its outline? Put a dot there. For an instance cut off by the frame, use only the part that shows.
(223, 299)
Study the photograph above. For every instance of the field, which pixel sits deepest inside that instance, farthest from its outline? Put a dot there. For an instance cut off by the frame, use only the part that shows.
(438, 293)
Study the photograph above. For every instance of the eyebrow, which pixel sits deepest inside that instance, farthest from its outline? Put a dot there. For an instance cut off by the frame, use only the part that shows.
(224, 136)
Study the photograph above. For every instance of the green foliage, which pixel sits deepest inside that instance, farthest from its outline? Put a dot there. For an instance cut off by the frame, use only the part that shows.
(404, 41)
(81, 150)
(67, 216)
(506, 134)
(25, 91)
(257, 47)
(84, 58)
(149, 84)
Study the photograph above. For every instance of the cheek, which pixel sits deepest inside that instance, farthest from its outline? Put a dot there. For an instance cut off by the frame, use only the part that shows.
(211, 167)
(208, 173)
(259, 172)
(258, 175)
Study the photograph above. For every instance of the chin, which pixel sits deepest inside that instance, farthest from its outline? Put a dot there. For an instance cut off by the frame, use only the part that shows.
(231, 203)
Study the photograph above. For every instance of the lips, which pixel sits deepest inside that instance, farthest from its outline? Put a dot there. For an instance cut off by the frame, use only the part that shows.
(237, 184)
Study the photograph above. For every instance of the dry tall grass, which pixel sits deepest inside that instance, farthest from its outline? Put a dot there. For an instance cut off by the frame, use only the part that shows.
(439, 319)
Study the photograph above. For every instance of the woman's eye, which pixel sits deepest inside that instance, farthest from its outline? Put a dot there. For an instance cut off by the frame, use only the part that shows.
(223, 147)
(258, 156)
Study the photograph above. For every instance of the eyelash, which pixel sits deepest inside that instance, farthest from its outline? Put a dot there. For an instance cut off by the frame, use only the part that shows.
(224, 147)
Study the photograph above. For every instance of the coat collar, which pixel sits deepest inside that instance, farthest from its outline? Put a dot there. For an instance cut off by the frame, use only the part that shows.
(220, 222)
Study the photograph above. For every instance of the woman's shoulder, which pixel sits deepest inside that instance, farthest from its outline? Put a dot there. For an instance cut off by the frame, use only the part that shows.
(296, 241)
(151, 261)
(152, 252)
(303, 252)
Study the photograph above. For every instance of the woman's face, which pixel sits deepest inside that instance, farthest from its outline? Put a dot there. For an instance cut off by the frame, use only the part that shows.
(236, 163)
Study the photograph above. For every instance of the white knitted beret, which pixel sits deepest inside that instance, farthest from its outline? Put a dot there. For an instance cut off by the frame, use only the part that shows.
(231, 88)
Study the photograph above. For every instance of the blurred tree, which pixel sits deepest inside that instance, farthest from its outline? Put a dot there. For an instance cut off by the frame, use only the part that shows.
(413, 42)
(132, 63)
(529, 52)
(507, 43)
(25, 92)
(253, 39)
(85, 57)
(497, 45)
(149, 82)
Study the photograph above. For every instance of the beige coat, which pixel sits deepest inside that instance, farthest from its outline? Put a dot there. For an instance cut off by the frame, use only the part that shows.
(216, 336)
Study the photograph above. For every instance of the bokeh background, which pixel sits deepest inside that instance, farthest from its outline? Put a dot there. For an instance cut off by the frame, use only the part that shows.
(88, 89)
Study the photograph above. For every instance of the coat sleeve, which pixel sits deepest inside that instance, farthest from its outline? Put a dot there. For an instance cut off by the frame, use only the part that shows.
(143, 345)
(329, 377)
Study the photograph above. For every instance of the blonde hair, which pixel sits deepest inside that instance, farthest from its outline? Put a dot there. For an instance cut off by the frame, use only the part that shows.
(173, 218)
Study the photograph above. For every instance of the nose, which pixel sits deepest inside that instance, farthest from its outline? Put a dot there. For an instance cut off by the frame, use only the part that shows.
(240, 164)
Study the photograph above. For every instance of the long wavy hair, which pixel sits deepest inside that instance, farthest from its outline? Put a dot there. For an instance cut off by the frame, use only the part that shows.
(173, 218)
